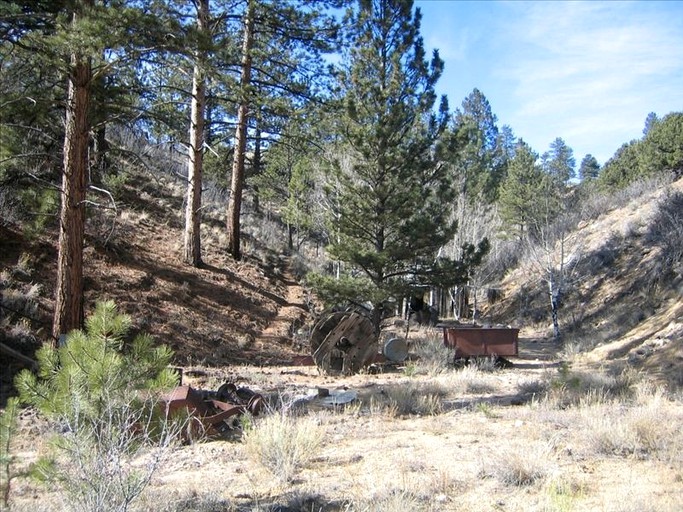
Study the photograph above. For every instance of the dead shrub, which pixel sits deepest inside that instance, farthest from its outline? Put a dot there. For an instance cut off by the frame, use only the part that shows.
(666, 229)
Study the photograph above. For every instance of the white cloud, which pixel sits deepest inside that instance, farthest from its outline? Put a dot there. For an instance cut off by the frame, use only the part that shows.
(588, 68)
(452, 46)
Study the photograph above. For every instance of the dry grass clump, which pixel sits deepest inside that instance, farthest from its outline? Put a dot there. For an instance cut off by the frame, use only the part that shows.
(189, 501)
(484, 364)
(572, 388)
(283, 444)
(651, 428)
(134, 217)
(563, 492)
(518, 467)
(391, 501)
(571, 350)
(214, 500)
(405, 484)
(468, 380)
(432, 354)
(607, 434)
(21, 298)
(473, 380)
(632, 502)
(415, 398)
(533, 387)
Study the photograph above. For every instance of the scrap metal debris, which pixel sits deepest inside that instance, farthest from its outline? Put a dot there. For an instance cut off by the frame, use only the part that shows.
(322, 398)
(210, 412)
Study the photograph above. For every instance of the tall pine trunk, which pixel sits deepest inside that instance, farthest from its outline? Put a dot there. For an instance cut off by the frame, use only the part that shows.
(192, 252)
(69, 289)
(237, 182)
(256, 164)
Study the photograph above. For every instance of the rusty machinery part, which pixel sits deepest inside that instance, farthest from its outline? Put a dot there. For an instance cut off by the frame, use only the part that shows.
(343, 342)
(395, 350)
(209, 412)
(205, 417)
(252, 401)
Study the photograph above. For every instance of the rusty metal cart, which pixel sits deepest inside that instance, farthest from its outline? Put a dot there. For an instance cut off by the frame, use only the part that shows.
(470, 341)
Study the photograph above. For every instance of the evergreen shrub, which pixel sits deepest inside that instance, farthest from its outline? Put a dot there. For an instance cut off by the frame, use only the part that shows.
(101, 397)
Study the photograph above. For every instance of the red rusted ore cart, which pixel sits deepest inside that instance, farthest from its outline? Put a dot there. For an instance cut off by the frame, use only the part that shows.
(470, 341)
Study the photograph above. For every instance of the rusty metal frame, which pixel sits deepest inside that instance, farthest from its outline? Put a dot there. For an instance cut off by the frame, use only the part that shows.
(207, 415)
(473, 341)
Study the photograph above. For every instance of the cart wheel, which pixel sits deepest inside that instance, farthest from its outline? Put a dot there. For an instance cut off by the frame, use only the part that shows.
(343, 342)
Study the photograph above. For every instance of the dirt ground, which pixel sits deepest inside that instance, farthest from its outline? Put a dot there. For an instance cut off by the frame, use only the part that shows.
(371, 459)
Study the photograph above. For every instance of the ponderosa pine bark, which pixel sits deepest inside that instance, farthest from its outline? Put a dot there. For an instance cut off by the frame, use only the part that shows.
(69, 289)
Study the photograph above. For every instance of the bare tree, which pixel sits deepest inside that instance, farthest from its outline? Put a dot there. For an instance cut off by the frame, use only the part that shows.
(476, 219)
(554, 251)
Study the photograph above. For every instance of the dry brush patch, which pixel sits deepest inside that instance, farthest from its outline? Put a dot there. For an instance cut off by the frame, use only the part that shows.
(647, 429)
(283, 444)
(520, 466)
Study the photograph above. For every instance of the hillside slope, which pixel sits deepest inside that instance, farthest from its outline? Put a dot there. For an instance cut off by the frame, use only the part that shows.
(225, 313)
(625, 305)
(625, 308)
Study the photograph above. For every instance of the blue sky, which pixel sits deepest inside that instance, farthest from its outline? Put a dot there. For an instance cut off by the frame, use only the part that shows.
(586, 71)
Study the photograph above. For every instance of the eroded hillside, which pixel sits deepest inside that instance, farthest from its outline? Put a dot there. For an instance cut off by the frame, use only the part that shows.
(624, 305)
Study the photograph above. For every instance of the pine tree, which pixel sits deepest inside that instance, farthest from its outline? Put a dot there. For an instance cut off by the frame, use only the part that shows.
(522, 190)
(559, 162)
(193, 208)
(650, 121)
(103, 395)
(69, 289)
(479, 159)
(622, 168)
(589, 169)
(281, 72)
(662, 148)
(84, 42)
(657, 152)
(389, 220)
(234, 210)
(8, 429)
